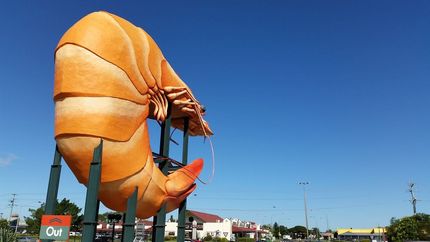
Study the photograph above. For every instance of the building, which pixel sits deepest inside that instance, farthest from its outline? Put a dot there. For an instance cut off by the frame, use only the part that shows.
(143, 230)
(327, 235)
(106, 228)
(373, 234)
(248, 229)
(17, 224)
(206, 224)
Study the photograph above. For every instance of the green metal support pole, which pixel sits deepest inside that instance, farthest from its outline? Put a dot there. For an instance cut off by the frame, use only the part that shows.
(54, 182)
(92, 202)
(53, 185)
(96, 217)
(129, 218)
(160, 220)
(183, 205)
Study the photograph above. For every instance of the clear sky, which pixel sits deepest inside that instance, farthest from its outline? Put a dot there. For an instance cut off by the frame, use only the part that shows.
(335, 93)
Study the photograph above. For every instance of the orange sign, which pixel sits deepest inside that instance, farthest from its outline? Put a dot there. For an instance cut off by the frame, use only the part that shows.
(55, 227)
(56, 220)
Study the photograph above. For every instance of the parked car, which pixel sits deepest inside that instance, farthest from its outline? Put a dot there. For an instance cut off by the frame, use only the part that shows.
(75, 233)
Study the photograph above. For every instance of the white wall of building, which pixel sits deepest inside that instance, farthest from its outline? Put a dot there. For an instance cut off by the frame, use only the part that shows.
(171, 229)
(222, 229)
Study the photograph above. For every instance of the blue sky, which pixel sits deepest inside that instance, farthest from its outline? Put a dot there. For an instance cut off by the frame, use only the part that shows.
(330, 92)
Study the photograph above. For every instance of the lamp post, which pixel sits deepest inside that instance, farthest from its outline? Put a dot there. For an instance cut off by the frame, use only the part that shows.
(271, 216)
(306, 206)
(194, 230)
(114, 218)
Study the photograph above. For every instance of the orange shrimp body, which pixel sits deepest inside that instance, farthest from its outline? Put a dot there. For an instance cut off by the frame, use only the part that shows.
(110, 77)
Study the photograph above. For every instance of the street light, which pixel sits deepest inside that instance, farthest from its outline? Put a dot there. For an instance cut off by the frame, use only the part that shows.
(114, 218)
(306, 207)
(271, 216)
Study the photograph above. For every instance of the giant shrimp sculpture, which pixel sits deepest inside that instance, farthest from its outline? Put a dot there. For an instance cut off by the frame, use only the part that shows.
(110, 76)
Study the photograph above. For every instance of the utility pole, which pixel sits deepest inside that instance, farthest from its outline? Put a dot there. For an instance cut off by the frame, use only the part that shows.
(12, 204)
(306, 207)
(326, 220)
(413, 198)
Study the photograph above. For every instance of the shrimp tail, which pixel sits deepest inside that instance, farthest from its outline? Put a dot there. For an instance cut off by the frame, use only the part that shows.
(181, 183)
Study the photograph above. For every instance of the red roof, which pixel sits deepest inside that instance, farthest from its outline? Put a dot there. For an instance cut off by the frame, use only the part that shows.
(206, 217)
(236, 229)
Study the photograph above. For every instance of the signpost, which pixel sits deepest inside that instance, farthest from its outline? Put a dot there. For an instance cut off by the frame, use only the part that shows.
(55, 227)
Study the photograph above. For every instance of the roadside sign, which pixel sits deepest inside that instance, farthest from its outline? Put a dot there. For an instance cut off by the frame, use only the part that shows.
(55, 227)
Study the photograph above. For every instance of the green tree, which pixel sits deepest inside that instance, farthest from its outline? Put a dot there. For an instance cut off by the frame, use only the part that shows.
(316, 232)
(267, 226)
(335, 234)
(283, 230)
(64, 207)
(33, 222)
(103, 217)
(416, 227)
(298, 232)
(4, 224)
(403, 229)
(275, 230)
(423, 221)
(6, 233)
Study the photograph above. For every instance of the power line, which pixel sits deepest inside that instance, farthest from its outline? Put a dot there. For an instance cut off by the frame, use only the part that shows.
(373, 204)
(229, 198)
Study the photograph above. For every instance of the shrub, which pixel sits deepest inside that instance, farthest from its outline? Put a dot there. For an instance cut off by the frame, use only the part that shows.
(245, 239)
(208, 238)
(6, 235)
(169, 238)
(217, 239)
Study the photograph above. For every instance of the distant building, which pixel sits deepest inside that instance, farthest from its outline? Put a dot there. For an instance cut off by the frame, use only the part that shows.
(206, 225)
(106, 228)
(327, 235)
(215, 226)
(248, 229)
(17, 224)
(372, 234)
